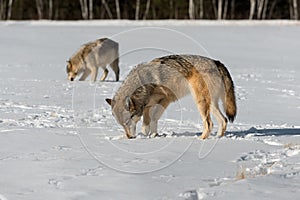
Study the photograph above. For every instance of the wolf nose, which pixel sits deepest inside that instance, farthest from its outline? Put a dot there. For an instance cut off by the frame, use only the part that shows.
(72, 79)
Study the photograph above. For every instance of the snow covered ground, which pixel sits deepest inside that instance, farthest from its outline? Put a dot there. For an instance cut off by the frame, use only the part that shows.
(58, 140)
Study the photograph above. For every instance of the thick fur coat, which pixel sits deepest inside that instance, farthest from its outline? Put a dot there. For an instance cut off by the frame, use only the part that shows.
(151, 87)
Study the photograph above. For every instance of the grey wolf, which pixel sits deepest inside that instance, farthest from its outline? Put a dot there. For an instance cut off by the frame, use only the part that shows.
(93, 55)
(151, 87)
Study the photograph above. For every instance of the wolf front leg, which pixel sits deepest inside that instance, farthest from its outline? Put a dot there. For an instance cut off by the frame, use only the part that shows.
(85, 74)
(150, 118)
(104, 75)
(156, 112)
(94, 74)
(146, 122)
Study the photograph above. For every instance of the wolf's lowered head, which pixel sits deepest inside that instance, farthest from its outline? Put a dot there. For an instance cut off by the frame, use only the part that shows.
(127, 114)
(72, 71)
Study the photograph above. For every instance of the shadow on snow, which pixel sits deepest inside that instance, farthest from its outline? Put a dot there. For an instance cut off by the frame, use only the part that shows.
(265, 132)
(252, 131)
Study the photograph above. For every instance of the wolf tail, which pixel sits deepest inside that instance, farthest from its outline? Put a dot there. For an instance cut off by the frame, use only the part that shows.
(230, 103)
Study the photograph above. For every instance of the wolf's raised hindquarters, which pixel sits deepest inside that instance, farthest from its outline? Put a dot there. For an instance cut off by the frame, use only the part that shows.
(151, 87)
(93, 55)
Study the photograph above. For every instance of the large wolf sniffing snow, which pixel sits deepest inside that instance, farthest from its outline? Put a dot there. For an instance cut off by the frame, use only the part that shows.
(93, 55)
(151, 87)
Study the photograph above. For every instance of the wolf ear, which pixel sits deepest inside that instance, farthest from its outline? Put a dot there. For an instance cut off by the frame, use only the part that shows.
(109, 101)
(129, 105)
(69, 66)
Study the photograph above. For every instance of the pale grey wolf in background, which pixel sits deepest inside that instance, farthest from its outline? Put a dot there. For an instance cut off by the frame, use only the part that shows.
(93, 55)
(151, 87)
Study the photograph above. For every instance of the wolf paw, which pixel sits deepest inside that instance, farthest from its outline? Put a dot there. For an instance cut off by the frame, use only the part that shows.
(153, 135)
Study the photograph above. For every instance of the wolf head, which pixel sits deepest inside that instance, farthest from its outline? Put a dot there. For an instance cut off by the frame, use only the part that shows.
(72, 71)
(127, 114)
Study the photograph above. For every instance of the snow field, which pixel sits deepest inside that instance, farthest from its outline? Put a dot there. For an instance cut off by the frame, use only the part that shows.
(58, 140)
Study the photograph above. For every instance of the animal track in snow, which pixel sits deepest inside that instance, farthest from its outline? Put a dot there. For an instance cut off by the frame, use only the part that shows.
(266, 162)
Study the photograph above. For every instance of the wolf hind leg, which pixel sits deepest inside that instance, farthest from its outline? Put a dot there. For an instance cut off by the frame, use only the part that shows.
(203, 99)
(85, 74)
(94, 73)
(222, 121)
(204, 109)
(104, 75)
(115, 67)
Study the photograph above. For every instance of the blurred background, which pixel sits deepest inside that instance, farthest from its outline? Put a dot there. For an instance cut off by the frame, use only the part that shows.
(148, 9)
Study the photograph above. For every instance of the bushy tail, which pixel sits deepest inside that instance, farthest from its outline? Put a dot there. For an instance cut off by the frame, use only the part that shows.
(230, 103)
